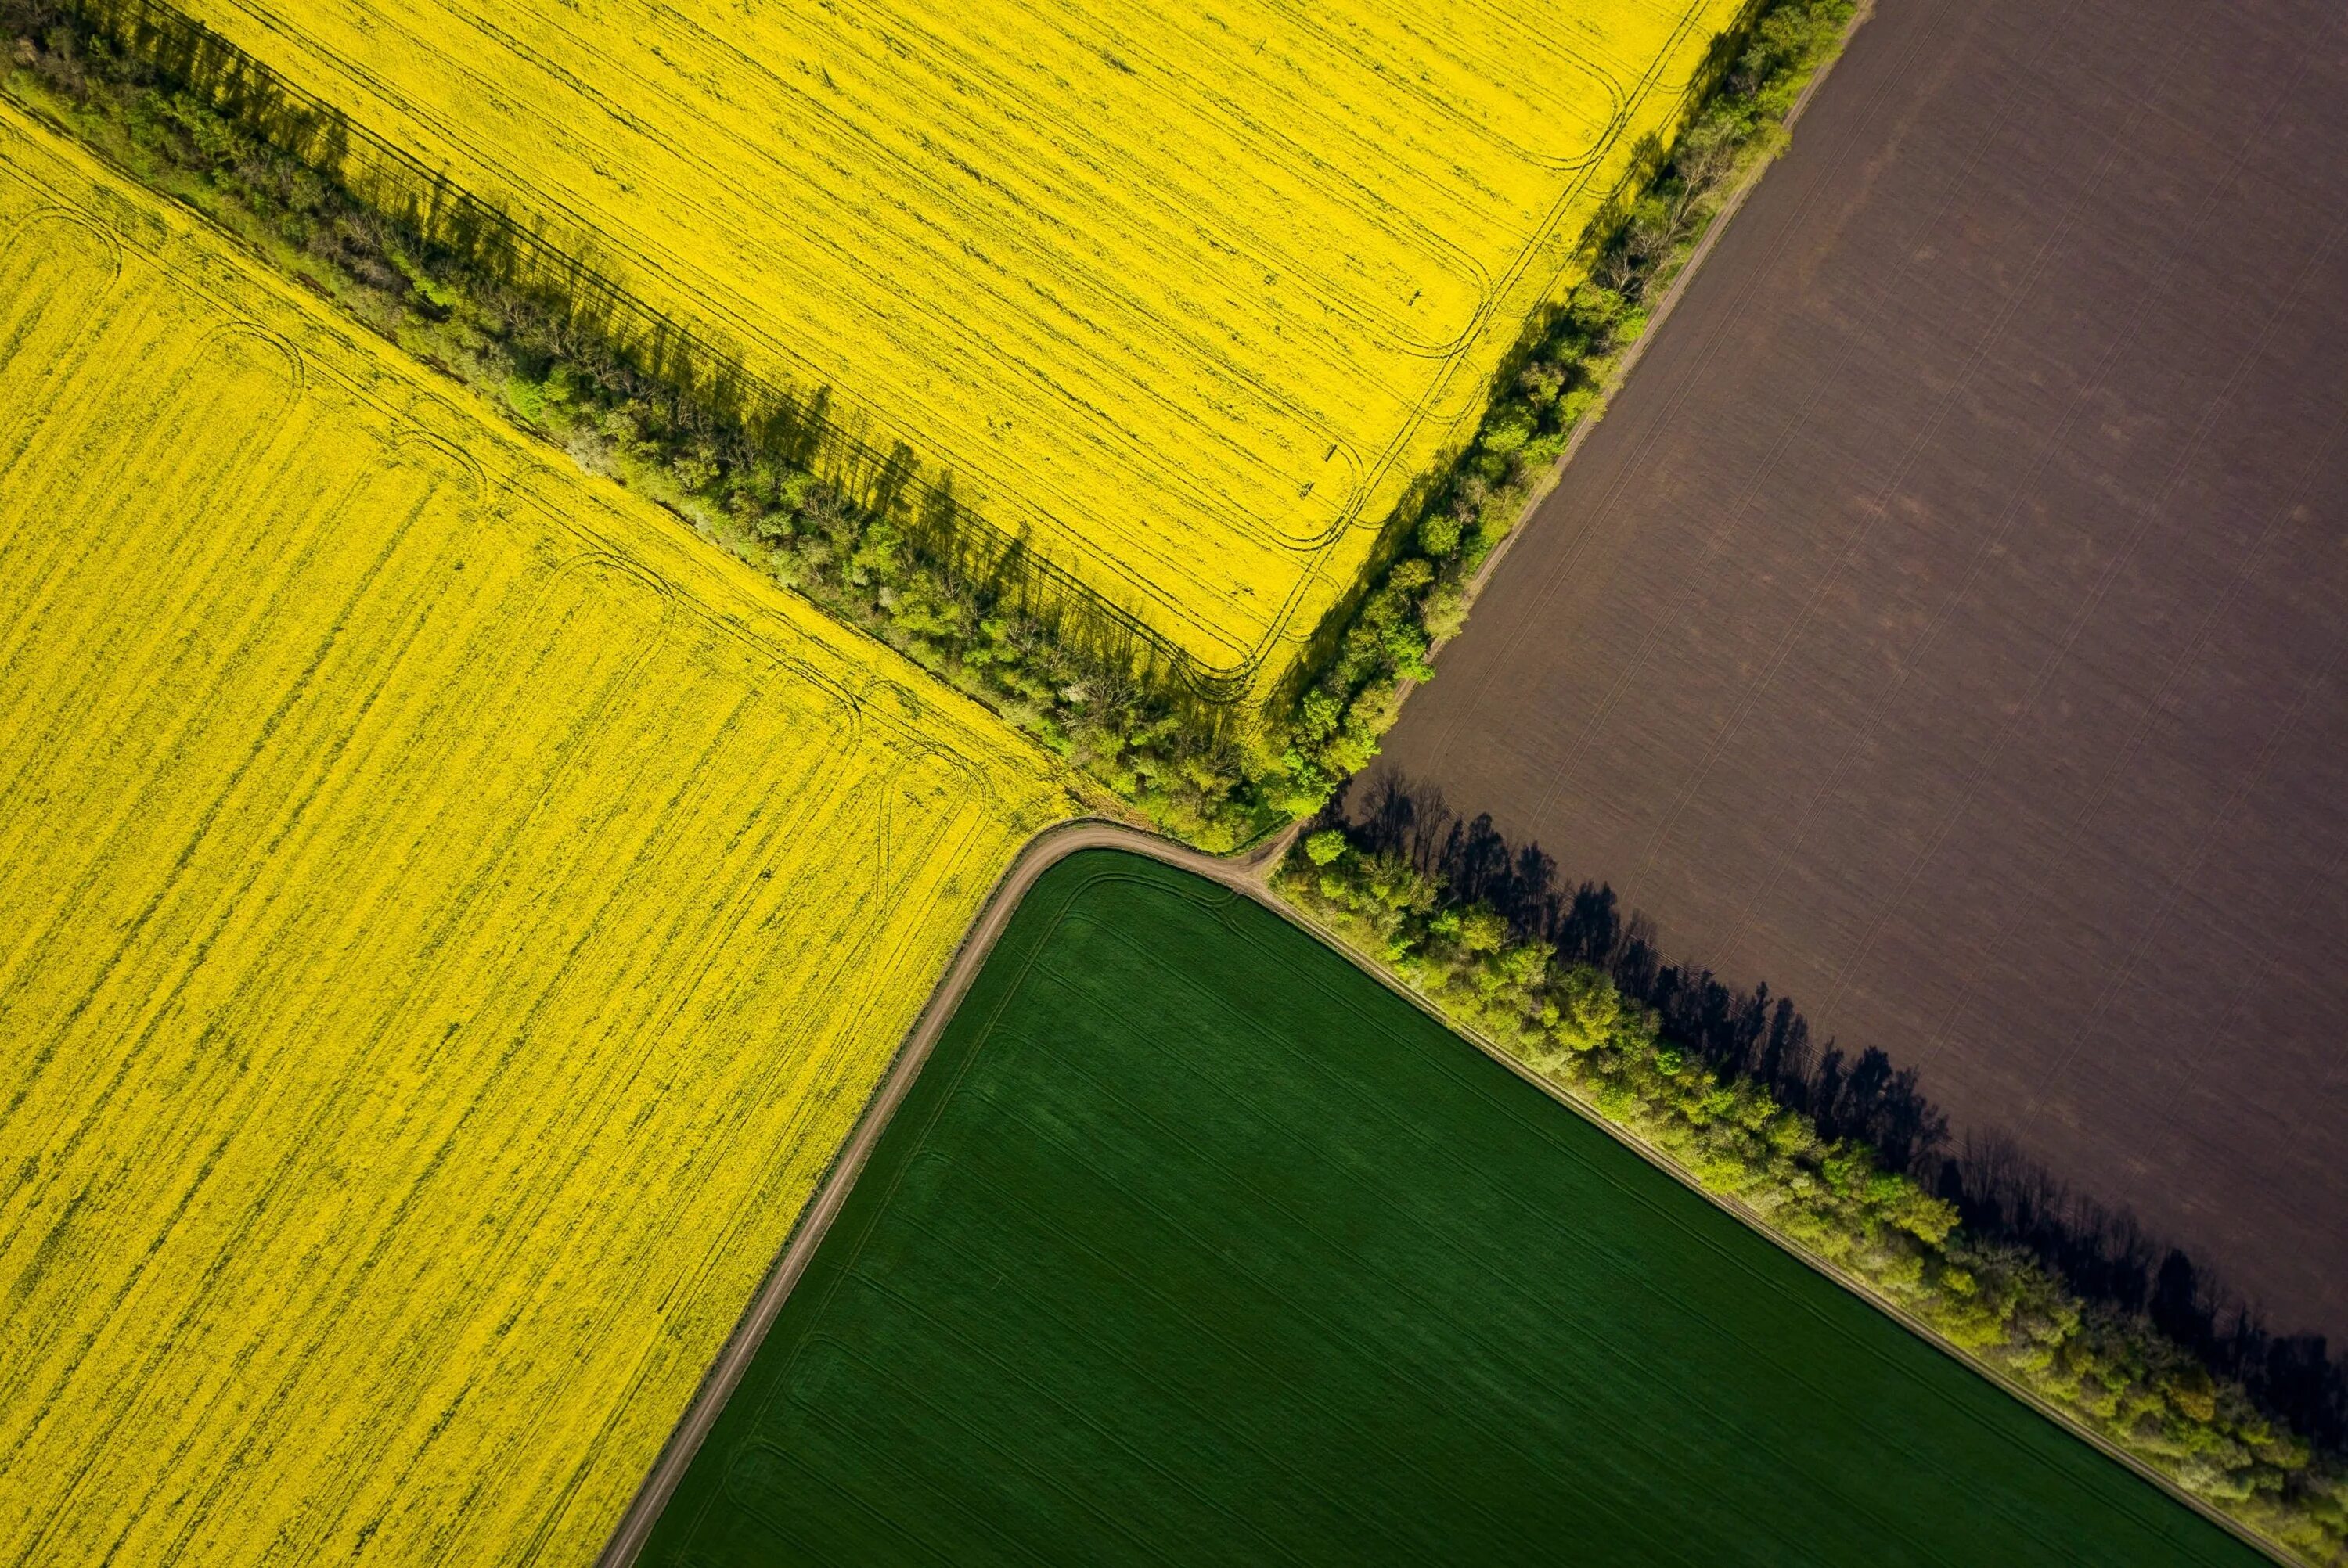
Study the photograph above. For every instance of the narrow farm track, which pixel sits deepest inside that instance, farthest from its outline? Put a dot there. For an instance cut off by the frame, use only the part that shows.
(1996, 1508)
(455, 918)
(1246, 873)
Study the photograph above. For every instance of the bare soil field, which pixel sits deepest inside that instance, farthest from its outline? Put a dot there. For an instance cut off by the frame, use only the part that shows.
(1945, 626)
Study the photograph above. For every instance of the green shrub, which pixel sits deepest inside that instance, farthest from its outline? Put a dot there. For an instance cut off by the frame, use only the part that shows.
(1558, 381)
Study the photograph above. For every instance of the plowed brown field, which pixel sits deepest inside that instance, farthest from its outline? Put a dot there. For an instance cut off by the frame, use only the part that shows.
(1947, 624)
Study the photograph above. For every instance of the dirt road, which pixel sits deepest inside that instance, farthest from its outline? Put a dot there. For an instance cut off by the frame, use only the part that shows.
(1244, 875)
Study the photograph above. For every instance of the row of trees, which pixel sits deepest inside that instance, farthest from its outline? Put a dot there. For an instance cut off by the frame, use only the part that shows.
(2101, 1253)
(974, 619)
(880, 556)
(2115, 1372)
(885, 556)
(1557, 379)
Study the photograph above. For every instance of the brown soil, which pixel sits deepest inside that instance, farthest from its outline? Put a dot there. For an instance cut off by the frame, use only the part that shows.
(1946, 625)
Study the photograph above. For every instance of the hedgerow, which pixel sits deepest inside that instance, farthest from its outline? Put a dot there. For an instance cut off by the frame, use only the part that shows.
(1560, 382)
(2115, 1373)
(1188, 765)
(975, 623)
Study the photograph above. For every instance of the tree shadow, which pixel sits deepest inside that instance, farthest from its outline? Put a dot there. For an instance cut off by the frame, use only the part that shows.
(2006, 1196)
(558, 274)
(1431, 490)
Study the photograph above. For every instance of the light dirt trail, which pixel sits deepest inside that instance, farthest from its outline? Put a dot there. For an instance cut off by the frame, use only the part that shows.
(1247, 874)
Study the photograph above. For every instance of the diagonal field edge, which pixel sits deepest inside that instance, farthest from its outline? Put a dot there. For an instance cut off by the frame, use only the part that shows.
(313, 130)
(1251, 877)
(177, 43)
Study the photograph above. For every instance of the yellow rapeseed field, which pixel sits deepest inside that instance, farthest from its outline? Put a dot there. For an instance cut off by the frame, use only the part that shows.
(1186, 295)
(448, 920)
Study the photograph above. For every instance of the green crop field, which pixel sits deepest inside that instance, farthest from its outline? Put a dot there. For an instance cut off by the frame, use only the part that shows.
(1194, 1243)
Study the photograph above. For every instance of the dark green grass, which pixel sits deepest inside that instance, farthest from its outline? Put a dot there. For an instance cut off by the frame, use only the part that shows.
(1192, 1243)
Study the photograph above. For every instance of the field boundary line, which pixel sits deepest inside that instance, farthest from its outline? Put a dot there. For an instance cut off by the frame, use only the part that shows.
(710, 360)
(1754, 1221)
(1249, 876)
(1246, 875)
(1713, 231)
(452, 215)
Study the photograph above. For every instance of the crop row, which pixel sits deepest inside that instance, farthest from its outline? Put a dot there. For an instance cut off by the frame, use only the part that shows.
(455, 922)
(1184, 300)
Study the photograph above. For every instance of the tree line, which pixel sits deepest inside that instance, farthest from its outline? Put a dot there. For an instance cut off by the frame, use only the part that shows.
(629, 395)
(1846, 1157)
(1556, 377)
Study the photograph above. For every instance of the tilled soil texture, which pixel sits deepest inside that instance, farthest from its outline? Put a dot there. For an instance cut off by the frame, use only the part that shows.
(1945, 626)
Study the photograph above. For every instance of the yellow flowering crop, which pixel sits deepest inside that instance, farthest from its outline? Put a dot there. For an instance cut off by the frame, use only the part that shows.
(1186, 295)
(448, 920)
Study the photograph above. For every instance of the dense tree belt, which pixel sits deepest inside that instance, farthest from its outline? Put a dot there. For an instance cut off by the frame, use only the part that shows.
(183, 112)
(1821, 1154)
